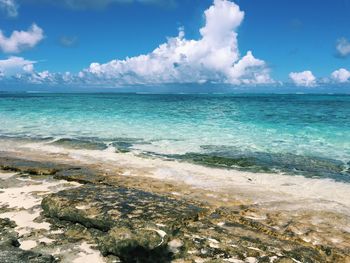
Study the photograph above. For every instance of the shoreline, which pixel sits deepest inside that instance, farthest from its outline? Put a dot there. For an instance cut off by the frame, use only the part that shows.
(249, 187)
(278, 219)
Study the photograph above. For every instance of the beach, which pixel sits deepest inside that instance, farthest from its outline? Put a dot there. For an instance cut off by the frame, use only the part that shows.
(67, 205)
(196, 183)
(173, 131)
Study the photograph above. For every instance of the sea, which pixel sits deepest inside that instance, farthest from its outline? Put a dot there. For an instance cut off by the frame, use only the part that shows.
(295, 134)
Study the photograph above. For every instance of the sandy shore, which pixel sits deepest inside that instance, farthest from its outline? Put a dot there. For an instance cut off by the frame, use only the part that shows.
(242, 217)
(22, 200)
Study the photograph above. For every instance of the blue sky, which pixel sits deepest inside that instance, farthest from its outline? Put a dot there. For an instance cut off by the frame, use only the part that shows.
(287, 35)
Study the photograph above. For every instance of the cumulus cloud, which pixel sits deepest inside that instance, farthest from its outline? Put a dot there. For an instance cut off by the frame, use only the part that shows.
(213, 58)
(16, 66)
(9, 7)
(21, 40)
(305, 78)
(341, 75)
(343, 47)
(20, 70)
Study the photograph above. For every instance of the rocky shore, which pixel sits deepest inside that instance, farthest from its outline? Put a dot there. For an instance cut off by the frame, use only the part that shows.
(57, 212)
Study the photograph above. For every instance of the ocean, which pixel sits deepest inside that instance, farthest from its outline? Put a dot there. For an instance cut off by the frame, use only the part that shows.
(299, 134)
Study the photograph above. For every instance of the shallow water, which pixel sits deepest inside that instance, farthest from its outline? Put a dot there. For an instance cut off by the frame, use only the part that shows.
(295, 134)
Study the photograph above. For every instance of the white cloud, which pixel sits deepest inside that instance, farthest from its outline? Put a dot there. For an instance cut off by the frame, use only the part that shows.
(21, 70)
(21, 40)
(9, 7)
(214, 57)
(14, 66)
(341, 75)
(305, 78)
(41, 77)
(343, 47)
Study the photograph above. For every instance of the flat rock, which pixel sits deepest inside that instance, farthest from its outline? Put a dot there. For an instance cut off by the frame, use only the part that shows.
(27, 166)
(58, 171)
(104, 207)
(134, 223)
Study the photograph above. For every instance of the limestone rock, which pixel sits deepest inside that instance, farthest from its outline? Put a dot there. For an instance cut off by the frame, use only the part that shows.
(133, 224)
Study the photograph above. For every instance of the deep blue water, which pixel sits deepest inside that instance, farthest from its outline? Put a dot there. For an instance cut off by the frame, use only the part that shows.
(302, 134)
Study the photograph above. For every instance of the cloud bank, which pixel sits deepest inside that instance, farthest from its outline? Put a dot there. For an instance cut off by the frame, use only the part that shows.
(21, 40)
(304, 79)
(307, 78)
(213, 58)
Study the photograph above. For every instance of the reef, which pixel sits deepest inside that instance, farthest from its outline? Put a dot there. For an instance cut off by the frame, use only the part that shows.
(129, 224)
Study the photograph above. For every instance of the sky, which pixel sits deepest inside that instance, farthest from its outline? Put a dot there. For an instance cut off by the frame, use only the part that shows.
(245, 44)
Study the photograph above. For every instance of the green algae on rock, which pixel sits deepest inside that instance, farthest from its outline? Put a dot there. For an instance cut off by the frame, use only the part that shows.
(135, 224)
(104, 207)
(27, 166)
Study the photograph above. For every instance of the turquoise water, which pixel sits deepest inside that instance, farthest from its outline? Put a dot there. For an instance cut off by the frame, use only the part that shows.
(296, 134)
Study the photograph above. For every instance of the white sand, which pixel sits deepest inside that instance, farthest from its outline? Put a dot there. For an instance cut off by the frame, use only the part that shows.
(26, 201)
(28, 244)
(25, 221)
(46, 240)
(22, 197)
(88, 255)
(4, 175)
